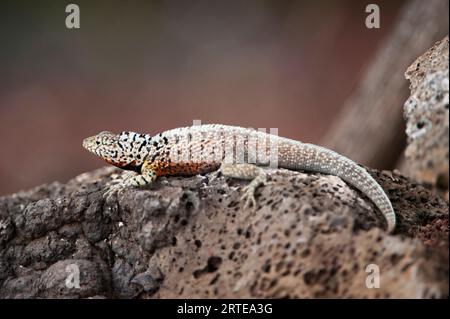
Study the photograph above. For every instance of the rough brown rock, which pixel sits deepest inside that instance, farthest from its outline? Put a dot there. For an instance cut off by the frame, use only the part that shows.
(427, 116)
(369, 128)
(188, 237)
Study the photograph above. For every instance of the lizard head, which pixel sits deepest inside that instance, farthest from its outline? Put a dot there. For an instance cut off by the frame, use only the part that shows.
(126, 150)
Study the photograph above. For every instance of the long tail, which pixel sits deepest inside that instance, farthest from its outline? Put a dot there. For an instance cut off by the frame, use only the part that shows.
(319, 159)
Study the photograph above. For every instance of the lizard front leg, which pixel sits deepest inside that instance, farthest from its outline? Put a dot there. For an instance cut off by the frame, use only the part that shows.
(251, 172)
(130, 179)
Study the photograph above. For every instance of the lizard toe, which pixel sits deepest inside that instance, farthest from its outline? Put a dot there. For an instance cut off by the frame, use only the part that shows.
(112, 191)
(248, 198)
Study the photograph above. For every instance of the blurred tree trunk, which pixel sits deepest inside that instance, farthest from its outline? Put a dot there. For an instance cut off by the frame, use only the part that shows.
(370, 127)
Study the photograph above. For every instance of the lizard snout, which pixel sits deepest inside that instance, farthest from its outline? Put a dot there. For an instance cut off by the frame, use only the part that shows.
(89, 143)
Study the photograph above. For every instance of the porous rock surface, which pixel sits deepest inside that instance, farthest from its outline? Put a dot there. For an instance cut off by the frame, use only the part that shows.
(427, 117)
(311, 236)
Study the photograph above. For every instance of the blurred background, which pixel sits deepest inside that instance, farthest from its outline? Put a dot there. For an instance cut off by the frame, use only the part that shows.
(156, 65)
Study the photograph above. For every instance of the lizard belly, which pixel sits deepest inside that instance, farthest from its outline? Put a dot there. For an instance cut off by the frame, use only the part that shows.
(162, 168)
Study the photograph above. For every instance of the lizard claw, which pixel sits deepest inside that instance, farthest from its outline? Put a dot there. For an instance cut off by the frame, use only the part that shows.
(117, 185)
(248, 196)
(113, 190)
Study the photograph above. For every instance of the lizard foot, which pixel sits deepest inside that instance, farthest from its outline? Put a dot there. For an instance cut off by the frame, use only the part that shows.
(117, 185)
(117, 179)
(248, 195)
(246, 171)
(113, 190)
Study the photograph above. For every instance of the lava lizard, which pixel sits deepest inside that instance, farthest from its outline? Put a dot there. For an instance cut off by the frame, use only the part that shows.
(237, 152)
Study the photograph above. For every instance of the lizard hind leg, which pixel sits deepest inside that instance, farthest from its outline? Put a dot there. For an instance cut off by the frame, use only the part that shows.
(256, 174)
